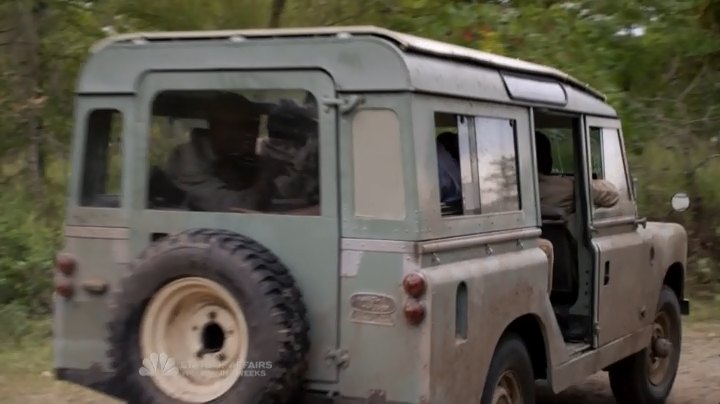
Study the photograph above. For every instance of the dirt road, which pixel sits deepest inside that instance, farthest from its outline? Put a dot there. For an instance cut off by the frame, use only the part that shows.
(698, 381)
(25, 377)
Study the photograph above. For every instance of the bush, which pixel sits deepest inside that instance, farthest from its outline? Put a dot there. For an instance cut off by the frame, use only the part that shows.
(20, 326)
(28, 243)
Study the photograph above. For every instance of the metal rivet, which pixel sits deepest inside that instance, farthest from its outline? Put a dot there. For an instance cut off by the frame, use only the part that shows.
(488, 249)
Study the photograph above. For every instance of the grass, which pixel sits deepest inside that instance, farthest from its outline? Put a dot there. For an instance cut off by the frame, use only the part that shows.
(26, 375)
(705, 309)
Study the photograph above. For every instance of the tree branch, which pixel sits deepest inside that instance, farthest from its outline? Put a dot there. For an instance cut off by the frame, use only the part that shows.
(702, 163)
(278, 6)
(681, 98)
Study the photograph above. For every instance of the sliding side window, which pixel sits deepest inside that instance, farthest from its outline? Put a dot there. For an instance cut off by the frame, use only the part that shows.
(477, 164)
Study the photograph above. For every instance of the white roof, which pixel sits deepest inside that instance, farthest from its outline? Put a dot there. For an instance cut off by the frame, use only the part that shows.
(408, 43)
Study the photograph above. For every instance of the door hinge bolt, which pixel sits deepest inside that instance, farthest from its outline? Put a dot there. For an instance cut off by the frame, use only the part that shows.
(344, 104)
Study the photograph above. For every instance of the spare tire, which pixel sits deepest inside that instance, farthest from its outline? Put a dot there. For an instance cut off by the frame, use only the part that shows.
(208, 316)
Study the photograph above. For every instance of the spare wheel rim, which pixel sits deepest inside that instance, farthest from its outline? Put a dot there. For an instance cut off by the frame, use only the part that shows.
(193, 340)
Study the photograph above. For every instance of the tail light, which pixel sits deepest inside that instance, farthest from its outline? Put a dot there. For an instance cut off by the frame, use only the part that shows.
(64, 288)
(66, 263)
(414, 284)
(414, 312)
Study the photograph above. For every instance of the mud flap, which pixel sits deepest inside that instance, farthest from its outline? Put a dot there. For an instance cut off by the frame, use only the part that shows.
(685, 307)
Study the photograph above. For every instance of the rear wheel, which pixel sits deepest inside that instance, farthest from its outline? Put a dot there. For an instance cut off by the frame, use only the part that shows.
(510, 379)
(208, 316)
(647, 377)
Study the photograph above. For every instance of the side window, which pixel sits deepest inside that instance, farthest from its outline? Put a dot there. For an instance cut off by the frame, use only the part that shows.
(497, 165)
(102, 167)
(477, 164)
(235, 151)
(454, 173)
(607, 159)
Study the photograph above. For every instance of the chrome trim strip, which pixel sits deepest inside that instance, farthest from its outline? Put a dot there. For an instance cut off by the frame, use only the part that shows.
(429, 247)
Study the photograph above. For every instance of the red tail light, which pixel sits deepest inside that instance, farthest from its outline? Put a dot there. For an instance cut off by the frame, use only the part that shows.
(414, 284)
(64, 288)
(414, 312)
(66, 263)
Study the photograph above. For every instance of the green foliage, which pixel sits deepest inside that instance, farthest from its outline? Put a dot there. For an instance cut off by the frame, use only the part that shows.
(28, 243)
(20, 328)
(663, 83)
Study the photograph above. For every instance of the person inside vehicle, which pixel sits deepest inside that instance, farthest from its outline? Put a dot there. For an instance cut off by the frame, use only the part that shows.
(216, 169)
(449, 140)
(449, 169)
(293, 140)
(559, 191)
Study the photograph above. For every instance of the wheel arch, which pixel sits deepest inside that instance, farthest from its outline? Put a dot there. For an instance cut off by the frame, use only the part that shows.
(530, 329)
(675, 279)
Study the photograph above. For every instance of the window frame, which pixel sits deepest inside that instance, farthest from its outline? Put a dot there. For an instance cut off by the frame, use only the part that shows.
(85, 106)
(115, 117)
(456, 225)
(245, 80)
(625, 208)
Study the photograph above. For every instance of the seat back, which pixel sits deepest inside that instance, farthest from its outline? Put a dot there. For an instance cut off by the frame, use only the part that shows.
(565, 274)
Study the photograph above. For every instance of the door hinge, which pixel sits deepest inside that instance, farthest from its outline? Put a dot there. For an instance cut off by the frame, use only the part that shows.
(344, 104)
(338, 357)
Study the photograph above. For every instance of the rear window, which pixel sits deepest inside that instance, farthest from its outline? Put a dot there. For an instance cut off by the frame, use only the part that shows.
(235, 151)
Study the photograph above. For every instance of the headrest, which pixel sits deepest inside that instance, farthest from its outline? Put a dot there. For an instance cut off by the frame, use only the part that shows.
(289, 121)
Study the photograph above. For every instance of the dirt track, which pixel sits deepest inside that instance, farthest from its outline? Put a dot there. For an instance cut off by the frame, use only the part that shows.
(698, 381)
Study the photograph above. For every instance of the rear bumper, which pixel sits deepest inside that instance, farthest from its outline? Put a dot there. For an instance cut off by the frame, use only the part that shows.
(685, 307)
(104, 382)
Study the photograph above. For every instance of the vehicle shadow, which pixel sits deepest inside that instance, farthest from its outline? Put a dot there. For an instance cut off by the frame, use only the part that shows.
(595, 391)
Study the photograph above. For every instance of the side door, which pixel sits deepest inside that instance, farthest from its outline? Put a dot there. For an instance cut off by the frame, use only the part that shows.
(621, 255)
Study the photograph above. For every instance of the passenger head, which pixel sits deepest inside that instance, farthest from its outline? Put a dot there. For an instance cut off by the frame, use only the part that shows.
(233, 123)
(543, 149)
(449, 141)
(292, 122)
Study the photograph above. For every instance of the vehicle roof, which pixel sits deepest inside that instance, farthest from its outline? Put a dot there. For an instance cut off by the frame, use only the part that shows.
(407, 43)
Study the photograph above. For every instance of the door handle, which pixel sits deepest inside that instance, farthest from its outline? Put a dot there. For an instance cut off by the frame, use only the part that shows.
(606, 278)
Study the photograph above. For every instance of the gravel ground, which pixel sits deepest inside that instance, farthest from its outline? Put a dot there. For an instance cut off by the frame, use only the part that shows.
(698, 380)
